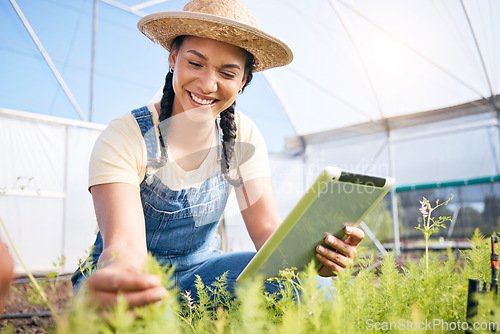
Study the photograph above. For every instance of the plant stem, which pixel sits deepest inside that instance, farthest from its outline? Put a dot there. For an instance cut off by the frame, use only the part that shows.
(426, 253)
(427, 234)
(33, 280)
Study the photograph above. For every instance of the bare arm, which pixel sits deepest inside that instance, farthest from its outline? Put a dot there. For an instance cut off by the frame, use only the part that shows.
(121, 223)
(259, 209)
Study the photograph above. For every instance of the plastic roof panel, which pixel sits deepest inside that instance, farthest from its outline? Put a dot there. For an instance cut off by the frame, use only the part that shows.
(355, 61)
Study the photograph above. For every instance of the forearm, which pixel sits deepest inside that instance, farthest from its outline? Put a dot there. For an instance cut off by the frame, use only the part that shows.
(121, 223)
(261, 214)
(264, 233)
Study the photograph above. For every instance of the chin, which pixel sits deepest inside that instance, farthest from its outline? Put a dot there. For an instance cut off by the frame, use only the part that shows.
(200, 114)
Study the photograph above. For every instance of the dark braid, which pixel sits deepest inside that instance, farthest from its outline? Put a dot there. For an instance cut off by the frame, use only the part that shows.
(167, 100)
(229, 128)
(166, 104)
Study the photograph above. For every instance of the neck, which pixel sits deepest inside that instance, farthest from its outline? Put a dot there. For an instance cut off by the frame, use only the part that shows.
(192, 128)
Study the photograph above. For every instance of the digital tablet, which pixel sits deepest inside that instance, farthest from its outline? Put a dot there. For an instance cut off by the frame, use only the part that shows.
(336, 198)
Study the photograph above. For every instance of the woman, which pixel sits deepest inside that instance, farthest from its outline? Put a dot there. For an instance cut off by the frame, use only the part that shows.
(170, 166)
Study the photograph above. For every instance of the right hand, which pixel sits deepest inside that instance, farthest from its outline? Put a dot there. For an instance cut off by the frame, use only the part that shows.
(138, 289)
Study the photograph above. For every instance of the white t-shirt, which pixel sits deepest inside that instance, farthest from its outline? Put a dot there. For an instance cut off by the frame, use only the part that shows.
(120, 155)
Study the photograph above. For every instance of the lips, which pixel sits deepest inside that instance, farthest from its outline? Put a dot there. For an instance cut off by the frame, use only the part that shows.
(201, 101)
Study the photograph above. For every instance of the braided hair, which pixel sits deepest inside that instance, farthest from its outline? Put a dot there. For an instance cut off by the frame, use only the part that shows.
(227, 122)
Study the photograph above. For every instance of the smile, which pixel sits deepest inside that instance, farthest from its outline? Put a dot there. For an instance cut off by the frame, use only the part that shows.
(200, 100)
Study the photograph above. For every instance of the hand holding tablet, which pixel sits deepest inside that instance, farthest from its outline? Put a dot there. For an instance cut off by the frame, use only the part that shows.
(336, 197)
(339, 254)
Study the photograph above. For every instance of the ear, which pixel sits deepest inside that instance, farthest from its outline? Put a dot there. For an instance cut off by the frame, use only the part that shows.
(243, 81)
(172, 58)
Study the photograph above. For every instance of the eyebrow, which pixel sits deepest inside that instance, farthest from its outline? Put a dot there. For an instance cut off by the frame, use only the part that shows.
(202, 56)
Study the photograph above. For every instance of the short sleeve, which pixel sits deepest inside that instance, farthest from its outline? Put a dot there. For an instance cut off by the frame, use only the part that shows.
(119, 154)
(251, 154)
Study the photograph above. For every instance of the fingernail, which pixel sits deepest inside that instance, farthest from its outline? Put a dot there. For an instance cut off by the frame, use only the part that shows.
(330, 239)
(320, 248)
(348, 229)
(160, 293)
(153, 281)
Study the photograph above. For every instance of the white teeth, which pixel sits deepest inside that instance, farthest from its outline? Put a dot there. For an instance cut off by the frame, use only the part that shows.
(201, 101)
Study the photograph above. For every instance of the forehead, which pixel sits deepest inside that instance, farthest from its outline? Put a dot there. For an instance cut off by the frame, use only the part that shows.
(211, 48)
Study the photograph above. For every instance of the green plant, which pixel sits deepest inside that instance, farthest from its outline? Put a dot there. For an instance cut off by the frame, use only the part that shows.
(430, 224)
(385, 295)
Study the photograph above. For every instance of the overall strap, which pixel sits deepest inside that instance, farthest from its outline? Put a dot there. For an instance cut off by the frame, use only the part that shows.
(219, 144)
(144, 119)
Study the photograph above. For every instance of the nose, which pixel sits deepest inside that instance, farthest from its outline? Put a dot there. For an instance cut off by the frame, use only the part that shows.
(208, 82)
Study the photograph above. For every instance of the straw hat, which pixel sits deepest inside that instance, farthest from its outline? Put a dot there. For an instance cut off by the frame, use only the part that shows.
(227, 21)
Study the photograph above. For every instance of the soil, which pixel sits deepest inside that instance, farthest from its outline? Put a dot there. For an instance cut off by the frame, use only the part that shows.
(21, 302)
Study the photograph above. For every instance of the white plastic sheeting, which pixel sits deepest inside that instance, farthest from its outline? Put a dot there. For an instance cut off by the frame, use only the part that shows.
(44, 200)
(448, 150)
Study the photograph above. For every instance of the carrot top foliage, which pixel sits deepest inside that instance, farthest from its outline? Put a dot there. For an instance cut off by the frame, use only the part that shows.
(376, 296)
(369, 297)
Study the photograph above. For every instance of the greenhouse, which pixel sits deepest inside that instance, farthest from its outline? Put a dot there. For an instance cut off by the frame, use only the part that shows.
(404, 89)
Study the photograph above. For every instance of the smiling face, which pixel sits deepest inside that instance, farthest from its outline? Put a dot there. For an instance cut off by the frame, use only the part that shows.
(207, 77)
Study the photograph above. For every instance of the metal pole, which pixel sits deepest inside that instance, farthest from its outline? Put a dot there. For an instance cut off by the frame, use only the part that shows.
(92, 59)
(394, 197)
(65, 203)
(48, 60)
(373, 238)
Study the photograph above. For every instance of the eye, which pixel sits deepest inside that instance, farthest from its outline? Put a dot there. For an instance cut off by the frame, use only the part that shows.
(194, 63)
(228, 75)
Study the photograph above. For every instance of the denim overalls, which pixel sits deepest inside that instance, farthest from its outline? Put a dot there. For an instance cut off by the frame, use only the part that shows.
(181, 226)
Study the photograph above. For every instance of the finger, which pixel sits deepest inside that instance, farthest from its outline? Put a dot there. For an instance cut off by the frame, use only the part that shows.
(112, 281)
(341, 246)
(328, 256)
(329, 267)
(355, 235)
(133, 298)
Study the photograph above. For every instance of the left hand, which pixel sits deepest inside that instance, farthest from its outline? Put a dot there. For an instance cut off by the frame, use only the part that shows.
(337, 260)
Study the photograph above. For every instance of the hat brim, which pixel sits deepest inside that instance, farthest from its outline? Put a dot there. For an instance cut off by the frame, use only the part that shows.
(164, 27)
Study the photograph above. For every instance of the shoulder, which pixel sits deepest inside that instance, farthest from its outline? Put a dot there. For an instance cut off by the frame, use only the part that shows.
(128, 125)
(124, 124)
(119, 154)
(242, 119)
(122, 136)
(246, 127)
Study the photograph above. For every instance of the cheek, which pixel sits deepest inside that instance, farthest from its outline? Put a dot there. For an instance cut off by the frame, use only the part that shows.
(229, 100)
(231, 91)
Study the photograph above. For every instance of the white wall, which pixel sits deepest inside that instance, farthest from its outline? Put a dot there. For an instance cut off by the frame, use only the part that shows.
(44, 201)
